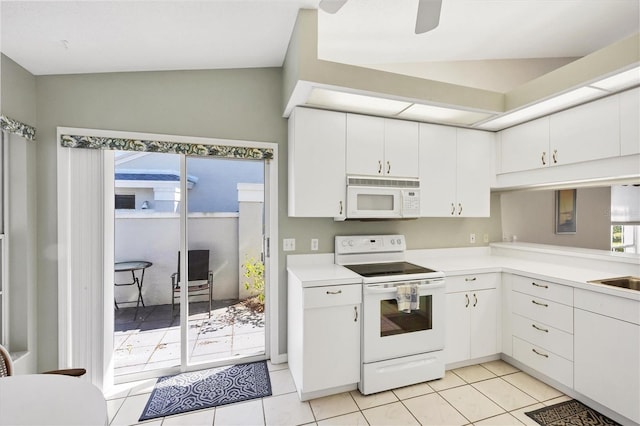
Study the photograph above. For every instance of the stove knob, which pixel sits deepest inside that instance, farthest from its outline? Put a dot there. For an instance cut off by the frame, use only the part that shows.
(350, 243)
(344, 243)
(393, 242)
(399, 241)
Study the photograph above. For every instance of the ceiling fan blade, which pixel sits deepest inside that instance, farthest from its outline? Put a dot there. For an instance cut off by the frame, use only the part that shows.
(331, 6)
(428, 15)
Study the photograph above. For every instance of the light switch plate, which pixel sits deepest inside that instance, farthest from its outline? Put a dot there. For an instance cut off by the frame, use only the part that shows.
(288, 244)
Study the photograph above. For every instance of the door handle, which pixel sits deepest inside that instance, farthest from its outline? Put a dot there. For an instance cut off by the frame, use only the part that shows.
(544, 158)
(475, 300)
(539, 304)
(355, 314)
(379, 167)
(555, 156)
(388, 167)
(459, 209)
(453, 209)
(340, 206)
(466, 297)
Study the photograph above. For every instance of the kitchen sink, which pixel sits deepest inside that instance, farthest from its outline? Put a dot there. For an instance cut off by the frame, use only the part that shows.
(632, 283)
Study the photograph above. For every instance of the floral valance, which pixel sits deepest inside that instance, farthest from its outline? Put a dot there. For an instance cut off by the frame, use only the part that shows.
(121, 144)
(14, 126)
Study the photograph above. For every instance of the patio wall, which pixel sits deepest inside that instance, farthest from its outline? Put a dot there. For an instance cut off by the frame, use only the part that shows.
(154, 237)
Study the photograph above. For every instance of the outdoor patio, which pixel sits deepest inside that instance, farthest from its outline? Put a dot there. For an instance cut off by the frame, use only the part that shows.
(150, 339)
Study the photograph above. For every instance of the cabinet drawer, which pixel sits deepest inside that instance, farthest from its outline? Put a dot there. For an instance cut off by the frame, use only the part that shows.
(545, 289)
(544, 361)
(337, 295)
(549, 338)
(471, 282)
(544, 311)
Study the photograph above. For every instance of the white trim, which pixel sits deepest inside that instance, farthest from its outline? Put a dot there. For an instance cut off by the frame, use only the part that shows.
(64, 227)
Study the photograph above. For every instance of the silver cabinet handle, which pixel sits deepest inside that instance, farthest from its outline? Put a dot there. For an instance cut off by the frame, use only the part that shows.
(555, 156)
(459, 209)
(379, 167)
(466, 297)
(539, 304)
(453, 209)
(355, 314)
(540, 329)
(334, 292)
(540, 285)
(544, 158)
(475, 300)
(340, 206)
(470, 279)
(388, 167)
(540, 353)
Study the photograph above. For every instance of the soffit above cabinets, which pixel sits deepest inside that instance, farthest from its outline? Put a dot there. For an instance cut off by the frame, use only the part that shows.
(312, 82)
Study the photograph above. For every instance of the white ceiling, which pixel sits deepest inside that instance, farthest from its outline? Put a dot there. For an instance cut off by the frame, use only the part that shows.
(521, 38)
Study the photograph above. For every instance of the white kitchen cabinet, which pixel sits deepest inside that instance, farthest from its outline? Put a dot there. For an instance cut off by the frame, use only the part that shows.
(324, 337)
(381, 146)
(472, 318)
(525, 147)
(607, 352)
(586, 132)
(542, 326)
(455, 167)
(317, 179)
(630, 122)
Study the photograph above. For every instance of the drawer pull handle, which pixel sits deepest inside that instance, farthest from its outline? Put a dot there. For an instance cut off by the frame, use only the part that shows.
(539, 304)
(475, 300)
(470, 279)
(466, 297)
(540, 285)
(334, 292)
(355, 314)
(538, 328)
(540, 353)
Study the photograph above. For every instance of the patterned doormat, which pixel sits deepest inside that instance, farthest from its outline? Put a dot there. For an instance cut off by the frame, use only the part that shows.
(207, 388)
(572, 413)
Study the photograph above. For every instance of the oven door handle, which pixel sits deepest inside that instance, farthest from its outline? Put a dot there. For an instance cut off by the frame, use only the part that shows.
(372, 289)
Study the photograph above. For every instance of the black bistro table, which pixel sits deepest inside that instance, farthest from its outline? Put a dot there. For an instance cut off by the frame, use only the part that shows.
(133, 266)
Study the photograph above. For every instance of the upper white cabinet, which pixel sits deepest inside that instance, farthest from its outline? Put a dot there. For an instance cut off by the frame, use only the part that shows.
(381, 146)
(317, 180)
(525, 147)
(587, 132)
(455, 167)
(630, 122)
(592, 131)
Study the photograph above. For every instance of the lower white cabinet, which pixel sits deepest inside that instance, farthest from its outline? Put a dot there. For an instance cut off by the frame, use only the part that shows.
(324, 338)
(607, 354)
(472, 318)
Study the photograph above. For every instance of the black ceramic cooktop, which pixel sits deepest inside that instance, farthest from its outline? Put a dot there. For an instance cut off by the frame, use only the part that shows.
(390, 268)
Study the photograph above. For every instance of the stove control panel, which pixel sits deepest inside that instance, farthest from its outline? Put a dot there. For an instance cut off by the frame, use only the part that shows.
(369, 244)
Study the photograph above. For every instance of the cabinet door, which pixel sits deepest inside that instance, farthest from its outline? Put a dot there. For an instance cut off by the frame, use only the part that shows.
(331, 347)
(630, 122)
(484, 323)
(401, 148)
(365, 145)
(606, 354)
(525, 147)
(587, 132)
(457, 343)
(437, 170)
(317, 181)
(473, 173)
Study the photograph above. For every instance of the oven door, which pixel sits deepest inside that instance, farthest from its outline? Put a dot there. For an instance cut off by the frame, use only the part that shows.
(391, 333)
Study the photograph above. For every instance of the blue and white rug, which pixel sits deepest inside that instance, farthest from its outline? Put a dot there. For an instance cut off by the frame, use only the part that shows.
(207, 388)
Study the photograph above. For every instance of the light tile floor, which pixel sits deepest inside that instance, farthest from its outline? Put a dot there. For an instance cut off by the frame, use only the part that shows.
(493, 393)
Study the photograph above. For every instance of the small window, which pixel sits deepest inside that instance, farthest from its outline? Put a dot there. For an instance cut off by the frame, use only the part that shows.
(125, 201)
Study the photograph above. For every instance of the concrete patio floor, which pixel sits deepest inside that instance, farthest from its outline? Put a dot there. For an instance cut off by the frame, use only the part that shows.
(150, 339)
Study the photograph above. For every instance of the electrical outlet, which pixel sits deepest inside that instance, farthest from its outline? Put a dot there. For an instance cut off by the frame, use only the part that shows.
(314, 244)
(288, 244)
(472, 238)
(486, 238)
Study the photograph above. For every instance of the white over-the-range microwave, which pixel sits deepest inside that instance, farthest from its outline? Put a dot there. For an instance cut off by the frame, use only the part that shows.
(382, 198)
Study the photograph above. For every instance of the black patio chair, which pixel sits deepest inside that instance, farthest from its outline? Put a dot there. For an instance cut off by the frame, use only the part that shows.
(200, 278)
